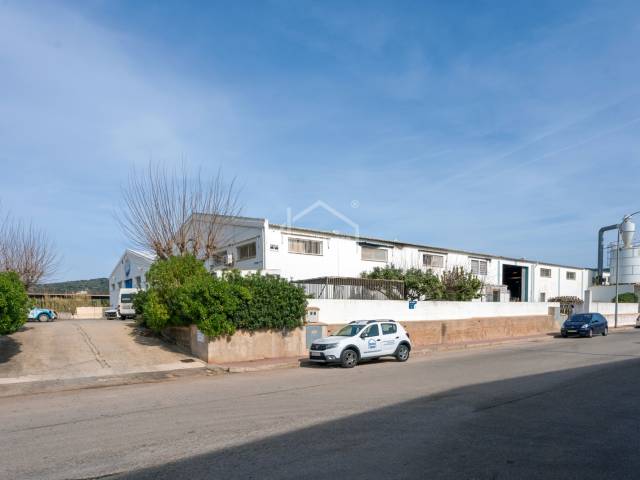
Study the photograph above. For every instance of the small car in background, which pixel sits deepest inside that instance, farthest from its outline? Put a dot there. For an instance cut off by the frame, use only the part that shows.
(42, 315)
(111, 314)
(585, 325)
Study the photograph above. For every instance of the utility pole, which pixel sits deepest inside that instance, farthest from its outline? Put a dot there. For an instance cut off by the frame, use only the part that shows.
(615, 324)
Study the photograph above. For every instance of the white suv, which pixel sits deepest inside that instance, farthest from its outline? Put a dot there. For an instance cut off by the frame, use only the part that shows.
(362, 339)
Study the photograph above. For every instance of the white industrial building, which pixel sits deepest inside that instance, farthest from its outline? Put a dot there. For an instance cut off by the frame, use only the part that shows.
(294, 253)
(130, 272)
(253, 244)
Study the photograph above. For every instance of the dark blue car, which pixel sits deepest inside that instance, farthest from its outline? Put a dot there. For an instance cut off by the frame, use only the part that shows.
(585, 325)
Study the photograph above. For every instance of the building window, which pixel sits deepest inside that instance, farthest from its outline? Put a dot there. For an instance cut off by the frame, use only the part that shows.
(220, 258)
(119, 285)
(571, 275)
(433, 261)
(247, 251)
(545, 272)
(373, 254)
(138, 282)
(543, 297)
(305, 247)
(479, 267)
(113, 286)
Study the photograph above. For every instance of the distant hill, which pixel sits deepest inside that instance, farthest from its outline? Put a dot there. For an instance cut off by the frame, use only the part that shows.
(93, 286)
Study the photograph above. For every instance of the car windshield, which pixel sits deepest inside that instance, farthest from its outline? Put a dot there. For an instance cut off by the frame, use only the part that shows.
(581, 317)
(349, 330)
(126, 298)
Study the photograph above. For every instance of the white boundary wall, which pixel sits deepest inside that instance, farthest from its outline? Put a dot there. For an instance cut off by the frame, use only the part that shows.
(344, 311)
(627, 312)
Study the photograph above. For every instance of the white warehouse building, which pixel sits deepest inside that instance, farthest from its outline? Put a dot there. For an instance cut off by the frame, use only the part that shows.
(130, 272)
(253, 244)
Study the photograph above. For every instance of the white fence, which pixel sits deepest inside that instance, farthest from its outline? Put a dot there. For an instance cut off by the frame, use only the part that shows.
(344, 311)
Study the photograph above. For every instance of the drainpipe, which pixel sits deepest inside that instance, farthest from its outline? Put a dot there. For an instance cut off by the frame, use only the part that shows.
(601, 249)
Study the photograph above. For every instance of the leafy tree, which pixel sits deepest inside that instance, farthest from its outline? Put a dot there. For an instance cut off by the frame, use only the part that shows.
(460, 285)
(13, 303)
(388, 272)
(422, 285)
(627, 297)
(418, 284)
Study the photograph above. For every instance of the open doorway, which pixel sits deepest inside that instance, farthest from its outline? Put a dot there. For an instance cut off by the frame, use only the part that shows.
(515, 278)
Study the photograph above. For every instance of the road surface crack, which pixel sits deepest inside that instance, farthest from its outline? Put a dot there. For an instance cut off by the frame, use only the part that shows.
(96, 353)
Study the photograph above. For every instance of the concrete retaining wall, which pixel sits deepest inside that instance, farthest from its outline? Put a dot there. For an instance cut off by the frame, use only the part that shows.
(430, 323)
(240, 347)
(449, 332)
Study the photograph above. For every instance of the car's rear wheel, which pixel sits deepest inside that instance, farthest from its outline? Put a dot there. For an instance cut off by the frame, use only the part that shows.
(605, 332)
(43, 317)
(349, 358)
(402, 354)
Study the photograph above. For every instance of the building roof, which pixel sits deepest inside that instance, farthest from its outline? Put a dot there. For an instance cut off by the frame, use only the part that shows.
(395, 243)
(149, 257)
(430, 248)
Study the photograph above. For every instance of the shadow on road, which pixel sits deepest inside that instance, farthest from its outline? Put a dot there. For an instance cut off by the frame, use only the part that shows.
(576, 423)
(9, 347)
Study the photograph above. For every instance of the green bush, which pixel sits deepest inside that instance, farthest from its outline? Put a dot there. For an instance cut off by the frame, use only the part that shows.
(14, 303)
(422, 285)
(182, 292)
(455, 285)
(273, 302)
(460, 285)
(627, 297)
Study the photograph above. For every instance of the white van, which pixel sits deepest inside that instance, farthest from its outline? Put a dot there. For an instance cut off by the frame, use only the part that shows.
(125, 303)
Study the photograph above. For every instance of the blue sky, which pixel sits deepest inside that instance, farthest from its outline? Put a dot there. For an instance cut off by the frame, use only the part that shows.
(501, 127)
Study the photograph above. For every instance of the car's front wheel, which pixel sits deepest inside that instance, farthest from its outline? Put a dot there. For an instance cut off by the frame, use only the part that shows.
(402, 354)
(43, 317)
(590, 333)
(349, 358)
(605, 332)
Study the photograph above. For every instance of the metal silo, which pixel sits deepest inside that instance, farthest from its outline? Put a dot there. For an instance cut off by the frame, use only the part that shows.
(629, 256)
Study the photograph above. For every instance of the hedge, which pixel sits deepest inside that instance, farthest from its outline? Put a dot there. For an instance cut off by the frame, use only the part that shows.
(182, 292)
(14, 303)
(626, 297)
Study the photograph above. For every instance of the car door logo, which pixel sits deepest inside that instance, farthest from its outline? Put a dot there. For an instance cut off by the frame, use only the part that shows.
(371, 344)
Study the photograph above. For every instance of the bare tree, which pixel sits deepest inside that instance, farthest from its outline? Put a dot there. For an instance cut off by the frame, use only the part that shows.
(169, 212)
(26, 250)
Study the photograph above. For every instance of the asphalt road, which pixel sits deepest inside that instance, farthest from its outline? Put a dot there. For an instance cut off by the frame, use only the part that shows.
(557, 409)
